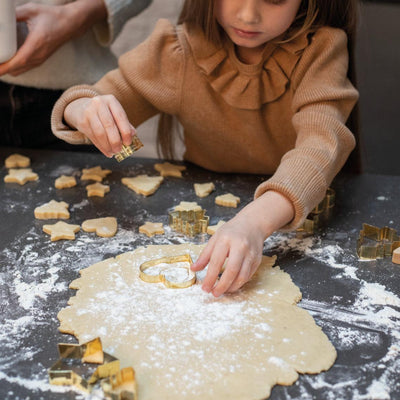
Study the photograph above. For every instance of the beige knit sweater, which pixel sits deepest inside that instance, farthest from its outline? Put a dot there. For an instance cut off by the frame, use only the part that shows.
(283, 117)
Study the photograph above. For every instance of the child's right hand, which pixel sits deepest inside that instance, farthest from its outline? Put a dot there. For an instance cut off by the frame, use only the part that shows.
(103, 120)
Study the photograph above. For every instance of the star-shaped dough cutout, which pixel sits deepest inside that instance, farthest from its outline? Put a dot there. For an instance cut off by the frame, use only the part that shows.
(97, 189)
(20, 176)
(51, 210)
(104, 227)
(143, 184)
(211, 229)
(227, 200)
(152, 228)
(64, 182)
(17, 161)
(95, 174)
(203, 189)
(168, 169)
(61, 230)
(187, 206)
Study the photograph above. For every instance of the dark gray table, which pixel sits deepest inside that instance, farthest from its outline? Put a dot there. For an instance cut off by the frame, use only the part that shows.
(357, 304)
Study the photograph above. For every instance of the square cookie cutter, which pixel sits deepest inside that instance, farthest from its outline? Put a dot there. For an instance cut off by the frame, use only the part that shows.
(127, 151)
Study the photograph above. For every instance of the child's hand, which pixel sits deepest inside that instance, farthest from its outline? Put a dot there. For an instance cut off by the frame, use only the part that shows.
(103, 120)
(240, 243)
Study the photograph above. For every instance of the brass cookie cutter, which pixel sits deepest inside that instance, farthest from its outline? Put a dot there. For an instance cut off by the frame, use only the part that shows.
(127, 151)
(121, 386)
(319, 214)
(162, 276)
(190, 223)
(374, 242)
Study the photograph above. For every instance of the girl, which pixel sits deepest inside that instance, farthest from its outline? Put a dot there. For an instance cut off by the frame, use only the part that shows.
(259, 86)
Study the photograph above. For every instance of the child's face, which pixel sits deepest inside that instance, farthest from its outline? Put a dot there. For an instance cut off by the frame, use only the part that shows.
(252, 23)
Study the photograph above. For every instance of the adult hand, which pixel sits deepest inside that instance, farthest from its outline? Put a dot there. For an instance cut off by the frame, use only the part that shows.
(49, 27)
(240, 242)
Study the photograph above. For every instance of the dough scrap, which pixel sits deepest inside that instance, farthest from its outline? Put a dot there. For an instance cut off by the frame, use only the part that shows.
(211, 229)
(104, 227)
(168, 169)
(20, 176)
(52, 209)
(97, 189)
(94, 174)
(143, 184)
(17, 161)
(203, 189)
(61, 230)
(187, 206)
(185, 344)
(64, 182)
(227, 200)
(152, 228)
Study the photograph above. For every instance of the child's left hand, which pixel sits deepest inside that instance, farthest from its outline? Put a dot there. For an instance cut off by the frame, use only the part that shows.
(240, 242)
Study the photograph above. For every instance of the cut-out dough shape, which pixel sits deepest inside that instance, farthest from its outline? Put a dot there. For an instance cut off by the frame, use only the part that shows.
(94, 174)
(203, 189)
(97, 189)
(211, 229)
(64, 182)
(61, 230)
(143, 184)
(168, 169)
(187, 345)
(20, 176)
(17, 161)
(53, 209)
(227, 200)
(165, 271)
(152, 228)
(104, 227)
(187, 206)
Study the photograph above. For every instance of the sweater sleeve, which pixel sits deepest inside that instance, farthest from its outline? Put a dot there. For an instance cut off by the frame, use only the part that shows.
(322, 101)
(147, 82)
(118, 13)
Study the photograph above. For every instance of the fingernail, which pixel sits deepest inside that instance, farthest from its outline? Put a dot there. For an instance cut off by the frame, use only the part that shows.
(206, 288)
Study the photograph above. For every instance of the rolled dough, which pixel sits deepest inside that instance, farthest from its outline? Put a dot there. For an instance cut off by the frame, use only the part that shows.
(185, 344)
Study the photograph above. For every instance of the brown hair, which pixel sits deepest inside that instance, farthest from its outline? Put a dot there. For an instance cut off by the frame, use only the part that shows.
(312, 14)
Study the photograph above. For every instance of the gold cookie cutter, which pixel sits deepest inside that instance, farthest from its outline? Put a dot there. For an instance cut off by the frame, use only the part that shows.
(374, 242)
(161, 277)
(116, 384)
(127, 151)
(319, 214)
(190, 223)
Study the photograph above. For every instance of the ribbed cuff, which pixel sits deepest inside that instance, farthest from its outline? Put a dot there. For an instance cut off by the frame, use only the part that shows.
(59, 128)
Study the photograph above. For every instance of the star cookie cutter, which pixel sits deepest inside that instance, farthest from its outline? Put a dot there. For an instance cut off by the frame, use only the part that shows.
(127, 151)
(319, 214)
(374, 242)
(121, 386)
(67, 372)
(162, 276)
(190, 223)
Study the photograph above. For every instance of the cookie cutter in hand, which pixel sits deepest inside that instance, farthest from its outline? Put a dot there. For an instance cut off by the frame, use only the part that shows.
(127, 151)
(161, 277)
(374, 242)
(65, 373)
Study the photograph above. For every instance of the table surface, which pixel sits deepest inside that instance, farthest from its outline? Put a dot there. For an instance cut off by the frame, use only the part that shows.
(356, 303)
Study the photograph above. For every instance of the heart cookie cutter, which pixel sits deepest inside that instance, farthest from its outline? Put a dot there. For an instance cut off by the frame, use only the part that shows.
(161, 276)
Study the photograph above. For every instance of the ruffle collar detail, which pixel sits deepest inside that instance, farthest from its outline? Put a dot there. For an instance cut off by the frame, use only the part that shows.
(241, 85)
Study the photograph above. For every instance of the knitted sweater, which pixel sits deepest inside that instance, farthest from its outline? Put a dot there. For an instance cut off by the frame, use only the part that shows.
(284, 116)
(82, 60)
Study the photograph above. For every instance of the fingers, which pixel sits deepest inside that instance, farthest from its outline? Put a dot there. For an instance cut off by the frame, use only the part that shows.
(204, 257)
(124, 127)
(217, 260)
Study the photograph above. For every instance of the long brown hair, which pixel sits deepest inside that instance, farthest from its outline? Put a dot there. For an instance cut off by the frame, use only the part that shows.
(312, 14)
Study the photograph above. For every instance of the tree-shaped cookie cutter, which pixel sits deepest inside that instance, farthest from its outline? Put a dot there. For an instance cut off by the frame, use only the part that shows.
(127, 151)
(190, 223)
(319, 214)
(161, 276)
(67, 373)
(374, 242)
